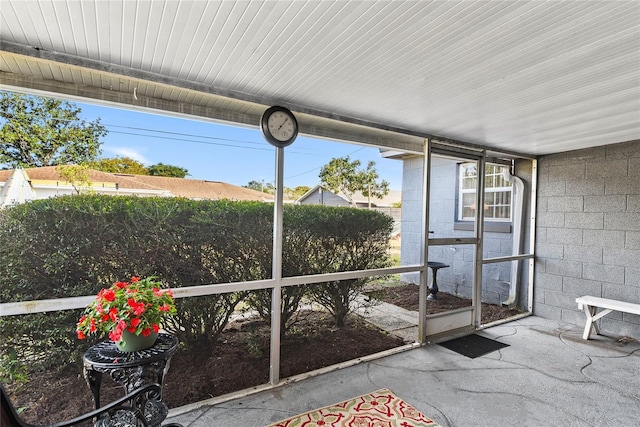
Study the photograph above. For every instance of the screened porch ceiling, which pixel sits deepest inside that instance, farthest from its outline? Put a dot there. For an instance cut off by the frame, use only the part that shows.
(527, 77)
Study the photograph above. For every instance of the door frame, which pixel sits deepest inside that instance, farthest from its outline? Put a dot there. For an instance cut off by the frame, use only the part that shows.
(464, 320)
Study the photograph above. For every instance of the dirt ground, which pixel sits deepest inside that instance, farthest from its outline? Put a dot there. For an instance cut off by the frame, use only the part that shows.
(238, 360)
(406, 296)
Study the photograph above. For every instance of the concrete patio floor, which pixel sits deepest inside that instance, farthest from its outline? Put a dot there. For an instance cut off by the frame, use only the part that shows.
(548, 375)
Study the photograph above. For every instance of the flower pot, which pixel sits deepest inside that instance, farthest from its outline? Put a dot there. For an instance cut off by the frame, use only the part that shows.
(131, 342)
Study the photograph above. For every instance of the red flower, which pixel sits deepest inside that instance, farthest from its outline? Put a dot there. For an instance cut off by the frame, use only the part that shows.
(81, 335)
(135, 322)
(92, 325)
(113, 314)
(146, 332)
(115, 335)
(135, 279)
(164, 307)
(121, 285)
(109, 295)
(156, 328)
(138, 307)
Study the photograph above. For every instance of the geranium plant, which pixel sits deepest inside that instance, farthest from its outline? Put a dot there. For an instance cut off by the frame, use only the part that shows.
(138, 306)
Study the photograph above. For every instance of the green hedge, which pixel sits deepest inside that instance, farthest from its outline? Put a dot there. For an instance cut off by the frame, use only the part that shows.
(76, 245)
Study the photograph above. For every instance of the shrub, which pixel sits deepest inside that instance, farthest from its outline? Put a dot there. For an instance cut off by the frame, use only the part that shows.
(321, 239)
(342, 239)
(76, 245)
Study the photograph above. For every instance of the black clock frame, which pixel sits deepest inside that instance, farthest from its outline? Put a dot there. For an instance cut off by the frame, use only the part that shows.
(264, 125)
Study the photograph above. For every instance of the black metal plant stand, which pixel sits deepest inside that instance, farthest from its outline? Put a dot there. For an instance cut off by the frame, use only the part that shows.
(132, 371)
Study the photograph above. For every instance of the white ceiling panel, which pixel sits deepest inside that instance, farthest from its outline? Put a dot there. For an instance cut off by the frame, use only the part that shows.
(533, 77)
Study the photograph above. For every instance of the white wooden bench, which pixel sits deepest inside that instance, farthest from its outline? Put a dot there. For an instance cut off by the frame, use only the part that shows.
(591, 304)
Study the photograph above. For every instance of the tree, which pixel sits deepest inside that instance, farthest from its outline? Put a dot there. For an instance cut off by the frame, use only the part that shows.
(295, 193)
(40, 131)
(119, 165)
(269, 188)
(341, 175)
(371, 187)
(264, 187)
(76, 175)
(161, 169)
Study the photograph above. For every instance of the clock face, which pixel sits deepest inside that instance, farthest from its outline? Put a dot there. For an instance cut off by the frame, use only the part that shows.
(279, 126)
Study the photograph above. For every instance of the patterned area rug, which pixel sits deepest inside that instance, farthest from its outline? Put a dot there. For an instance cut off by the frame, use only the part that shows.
(381, 408)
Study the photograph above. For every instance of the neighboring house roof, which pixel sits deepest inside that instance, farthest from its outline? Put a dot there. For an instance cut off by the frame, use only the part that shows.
(198, 189)
(146, 185)
(393, 197)
(49, 175)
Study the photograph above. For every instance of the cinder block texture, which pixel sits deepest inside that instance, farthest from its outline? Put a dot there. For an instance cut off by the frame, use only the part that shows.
(589, 237)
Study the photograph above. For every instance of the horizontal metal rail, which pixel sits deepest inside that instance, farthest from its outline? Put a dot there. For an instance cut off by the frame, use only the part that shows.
(507, 258)
(443, 241)
(71, 303)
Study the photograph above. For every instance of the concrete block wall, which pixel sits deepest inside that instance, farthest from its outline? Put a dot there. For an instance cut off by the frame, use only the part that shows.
(588, 233)
(411, 214)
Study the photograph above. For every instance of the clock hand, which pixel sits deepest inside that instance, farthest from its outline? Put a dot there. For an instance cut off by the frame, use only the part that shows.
(285, 121)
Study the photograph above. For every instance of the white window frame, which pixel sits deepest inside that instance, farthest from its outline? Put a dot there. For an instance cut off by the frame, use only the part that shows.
(492, 171)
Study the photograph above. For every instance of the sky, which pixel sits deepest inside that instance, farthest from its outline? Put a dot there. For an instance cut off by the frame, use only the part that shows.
(220, 152)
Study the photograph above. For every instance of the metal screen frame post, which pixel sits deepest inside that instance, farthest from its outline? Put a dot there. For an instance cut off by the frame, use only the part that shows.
(476, 301)
(424, 244)
(276, 294)
(532, 232)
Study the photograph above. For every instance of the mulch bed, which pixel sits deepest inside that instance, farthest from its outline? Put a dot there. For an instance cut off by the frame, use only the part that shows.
(238, 360)
(406, 296)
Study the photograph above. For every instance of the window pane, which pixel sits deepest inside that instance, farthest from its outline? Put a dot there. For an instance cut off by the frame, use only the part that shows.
(500, 197)
(469, 184)
(468, 205)
(489, 181)
(468, 176)
(503, 212)
(489, 199)
(469, 170)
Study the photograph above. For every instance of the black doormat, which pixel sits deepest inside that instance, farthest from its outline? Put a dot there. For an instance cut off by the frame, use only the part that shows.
(473, 345)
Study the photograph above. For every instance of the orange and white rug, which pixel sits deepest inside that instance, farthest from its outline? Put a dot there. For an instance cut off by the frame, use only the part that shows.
(381, 408)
